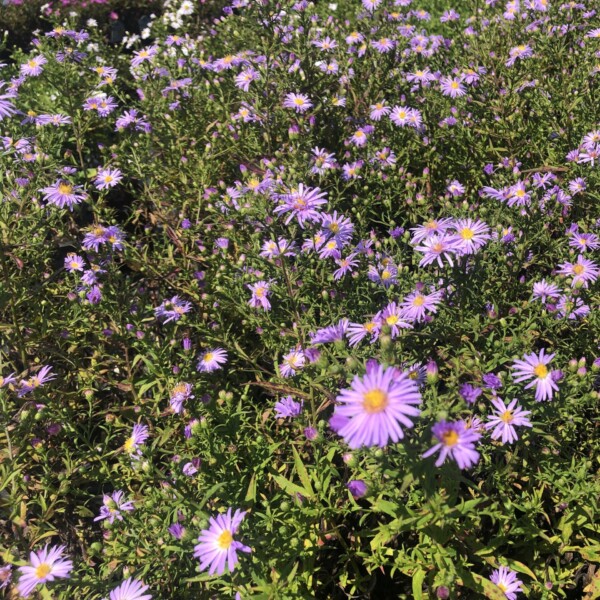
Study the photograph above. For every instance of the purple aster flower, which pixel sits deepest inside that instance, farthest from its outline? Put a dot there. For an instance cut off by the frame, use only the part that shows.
(338, 227)
(44, 565)
(383, 45)
(415, 305)
(322, 161)
(302, 204)
(293, 362)
(8, 380)
(356, 332)
(472, 235)
(107, 178)
(542, 290)
(7, 108)
(179, 394)
(299, 102)
(584, 271)
(74, 262)
(113, 505)
(393, 316)
(35, 381)
(535, 367)
(571, 308)
(130, 589)
(584, 241)
(453, 87)
(177, 530)
(173, 309)
(217, 546)
(5, 576)
(63, 194)
(428, 229)
(507, 581)
(378, 110)
(518, 53)
(246, 77)
(438, 246)
(191, 468)
(352, 170)
(346, 265)
(357, 487)
(287, 407)
(492, 381)
(505, 419)
(469, 393)
(457, 441)
(332, 333)
(211, 360)
(143, 55)
(372, 411)
(33, 67)
(456, 188)
(139, 435)
(260, 295)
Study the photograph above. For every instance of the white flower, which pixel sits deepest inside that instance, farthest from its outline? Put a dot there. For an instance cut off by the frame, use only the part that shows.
(91, 23)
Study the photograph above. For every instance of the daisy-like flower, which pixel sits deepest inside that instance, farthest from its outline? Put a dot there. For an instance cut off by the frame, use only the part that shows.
(45, 565)
(146, 54)
(383, 45)
(453, 87)
(36, 381)
(139, 434)
(400, 115)
(393, 317)
(211, 360)
(179, 394)
(356, 332)
(107, 178)
(260, 295)
(542, 290)
(33, 67)
(173, 309)
(415, 305)
(374, 409)
(302, 204)
(287, 408)
(507, 581)
(113, 505)
(518, 53)
(457, 441)
(217, 546)
(584, 271)
(379, 110)
(584, 241)
(505, 419)
(345, 266)
(536, 368)
(63, 194)
(434, 226)
(130, 589)
(299, 102)
(74, 262)
(472, 235)
(293, 362)
(436, 247)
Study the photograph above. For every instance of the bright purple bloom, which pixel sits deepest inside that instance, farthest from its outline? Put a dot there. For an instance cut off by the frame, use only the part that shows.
(438, 246)
(179, 394)
(584, 271)
(287, 407)
(357, 487)
(139, 435)
(260, 295)
(63, 194)
(415, 305)
(130, 589)
(107, 178)
(535, 367)
(33, 67)
(44, 565)
(292, 362)
(299, 102)
(505, 419)
(113, 505)
(507, 581)
(453, 87)
(217, 546)
(457, 441)
(542, 290)
(518, 53)
(302, 204)
(37, 380)
(74, 262)
(211, 360)
(372, 411)
(146, 54)
(173, 309)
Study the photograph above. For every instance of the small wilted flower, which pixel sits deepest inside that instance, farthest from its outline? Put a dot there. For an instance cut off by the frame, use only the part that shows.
(287, 407)
(113, 505)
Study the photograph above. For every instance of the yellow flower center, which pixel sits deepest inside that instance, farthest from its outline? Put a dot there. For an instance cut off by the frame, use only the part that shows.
(520, 193)
(418, 300)
(507, 416)
(298, 101)
(43, 570)
(541, 371)
(128, 445)
(225, 540)
(450, 438)
(467, 234)
(260, 291)
(32, 63)
(454, 85)
(502, 586)
(431, 225)
(65, 188)
(578, 269)
(386, 274)
(392, 320)
(74, 264)
(208, 357)
(334, 227)
(375, 401)
(179, 389)
(369, 326)
(437, 248)
(108, 178)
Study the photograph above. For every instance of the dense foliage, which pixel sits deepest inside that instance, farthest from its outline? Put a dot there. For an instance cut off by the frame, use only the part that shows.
(269, 286)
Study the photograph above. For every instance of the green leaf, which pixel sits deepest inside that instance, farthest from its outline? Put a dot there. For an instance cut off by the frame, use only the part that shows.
(417, 584)
(289, 487)
(302, 472)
